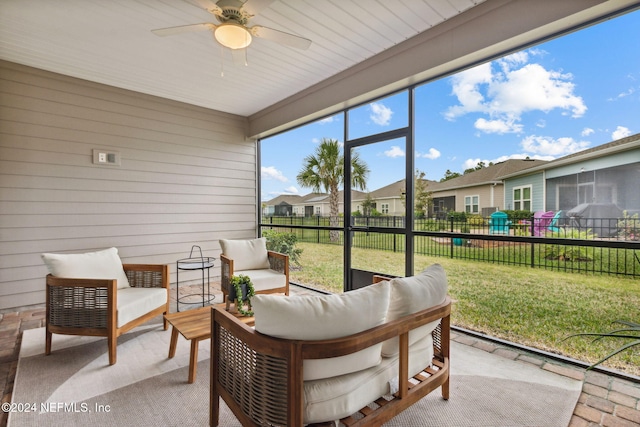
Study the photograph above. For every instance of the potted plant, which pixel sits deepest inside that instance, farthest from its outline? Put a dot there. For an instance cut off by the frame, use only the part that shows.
(631, 332)
(241, 286)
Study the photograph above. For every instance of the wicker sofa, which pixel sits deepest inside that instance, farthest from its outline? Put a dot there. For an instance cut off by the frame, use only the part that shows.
(95, 294)
(317, 359)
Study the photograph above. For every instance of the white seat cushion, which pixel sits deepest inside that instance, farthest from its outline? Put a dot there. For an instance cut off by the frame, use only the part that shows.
(334, 398)
(412, 294)
(264, 279)
(104, 264)
(318, 317)
(135, 302)
(246, 254)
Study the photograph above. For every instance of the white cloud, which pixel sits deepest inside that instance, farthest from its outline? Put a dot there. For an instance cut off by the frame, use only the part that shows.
(507, 88)
(587, 132)
(472, 163)
(548, 146)
(271, 172)
(620, 132)
(328, 120)
(290, 190)
(432, 154)
(497, 126)
(466, 88)
(629, 91)
(394, 152)
(380, 114)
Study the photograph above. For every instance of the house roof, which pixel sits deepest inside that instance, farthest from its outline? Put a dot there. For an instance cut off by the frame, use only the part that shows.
(288, 199)
(309, 198)
(391, 190)
(631, 142)
(488, 175)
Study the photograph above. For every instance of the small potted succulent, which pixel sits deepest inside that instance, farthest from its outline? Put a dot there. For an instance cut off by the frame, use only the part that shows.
(241, 285)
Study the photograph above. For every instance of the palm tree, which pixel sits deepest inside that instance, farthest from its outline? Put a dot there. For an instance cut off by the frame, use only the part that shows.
(324, 171)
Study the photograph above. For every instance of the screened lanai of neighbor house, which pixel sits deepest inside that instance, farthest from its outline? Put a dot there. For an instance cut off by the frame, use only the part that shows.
(112, 135)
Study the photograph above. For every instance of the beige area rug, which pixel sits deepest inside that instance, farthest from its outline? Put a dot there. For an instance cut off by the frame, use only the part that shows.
(75, 386)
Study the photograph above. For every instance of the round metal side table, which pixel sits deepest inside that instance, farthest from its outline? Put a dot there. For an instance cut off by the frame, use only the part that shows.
(192, 263)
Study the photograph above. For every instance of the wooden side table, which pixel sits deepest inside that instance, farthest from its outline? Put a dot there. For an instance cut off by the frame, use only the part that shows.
(195, 326)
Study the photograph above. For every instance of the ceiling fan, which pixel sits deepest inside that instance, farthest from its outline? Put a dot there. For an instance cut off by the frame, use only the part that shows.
(232, 30)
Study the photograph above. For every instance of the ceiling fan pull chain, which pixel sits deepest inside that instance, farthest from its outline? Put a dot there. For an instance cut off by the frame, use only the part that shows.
(221, 61)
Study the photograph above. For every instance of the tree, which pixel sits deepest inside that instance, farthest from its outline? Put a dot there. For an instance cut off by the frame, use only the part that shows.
(480, 165)
(323, 171)
(368, 205)
(422, 197)
(450, 175)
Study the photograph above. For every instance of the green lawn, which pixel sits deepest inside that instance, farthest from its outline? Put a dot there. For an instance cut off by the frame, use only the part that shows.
(533, 307)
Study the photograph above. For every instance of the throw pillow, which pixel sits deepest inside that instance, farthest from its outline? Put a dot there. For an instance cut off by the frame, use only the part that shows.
(105, 264)
(318, 317)
(246, 254)
(412, 294)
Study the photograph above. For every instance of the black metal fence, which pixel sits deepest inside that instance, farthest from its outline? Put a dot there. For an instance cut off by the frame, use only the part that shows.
(608, 246)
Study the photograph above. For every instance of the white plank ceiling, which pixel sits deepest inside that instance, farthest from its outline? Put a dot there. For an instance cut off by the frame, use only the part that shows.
(110, 42)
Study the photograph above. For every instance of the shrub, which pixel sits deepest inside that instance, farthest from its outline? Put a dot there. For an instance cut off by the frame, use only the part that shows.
(516, 216)
(283, 242)
(457, 216)
(433, 225)
(629, 227)
(565, 252)
(476, 220)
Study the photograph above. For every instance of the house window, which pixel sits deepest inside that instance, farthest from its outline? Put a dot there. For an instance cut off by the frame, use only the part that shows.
(472, 204)
(317, 210)
(522, 198)
(384, 208)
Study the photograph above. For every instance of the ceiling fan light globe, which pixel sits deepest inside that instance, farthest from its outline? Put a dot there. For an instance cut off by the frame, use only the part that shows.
(233, 36)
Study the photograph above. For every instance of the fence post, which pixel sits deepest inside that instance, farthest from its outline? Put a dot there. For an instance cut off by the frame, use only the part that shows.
(451, 243)
(533, 245)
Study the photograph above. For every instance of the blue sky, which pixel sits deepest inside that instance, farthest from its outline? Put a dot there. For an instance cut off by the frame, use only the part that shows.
(554, 99)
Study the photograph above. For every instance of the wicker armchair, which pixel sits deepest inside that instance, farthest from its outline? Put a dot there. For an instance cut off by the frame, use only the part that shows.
(96, 307)
(268, 270)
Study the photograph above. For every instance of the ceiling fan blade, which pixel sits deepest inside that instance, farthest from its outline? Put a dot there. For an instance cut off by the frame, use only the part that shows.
(183, 29)
(209, 6)
(253, 7)
(280, 37)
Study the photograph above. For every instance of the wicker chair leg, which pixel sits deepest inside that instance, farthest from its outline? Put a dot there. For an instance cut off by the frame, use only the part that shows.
(47, 342)
(112, 341)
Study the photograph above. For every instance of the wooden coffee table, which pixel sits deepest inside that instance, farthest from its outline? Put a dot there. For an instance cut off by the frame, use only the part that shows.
(195, 326)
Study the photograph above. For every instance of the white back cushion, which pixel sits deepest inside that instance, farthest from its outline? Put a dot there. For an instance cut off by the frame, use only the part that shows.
(412, 294)
(318, 317)
(246, 254)
(104, 264)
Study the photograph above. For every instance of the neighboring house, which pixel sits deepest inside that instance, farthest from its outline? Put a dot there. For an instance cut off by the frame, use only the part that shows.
(281, 205)
(479, 192)
(387, 200)
(606, 174)
(312, 204)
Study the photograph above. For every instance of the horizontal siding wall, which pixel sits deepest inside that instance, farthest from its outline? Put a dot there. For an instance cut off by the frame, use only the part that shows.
(187, 177)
